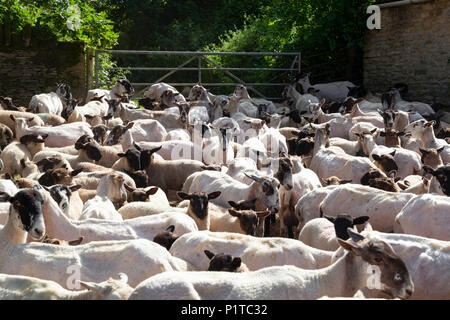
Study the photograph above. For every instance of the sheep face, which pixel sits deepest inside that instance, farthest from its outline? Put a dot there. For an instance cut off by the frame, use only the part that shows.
(395, 278)
(124, 86)
(284, 173)
(114, 108)
(223, 262)
(198, 202)
(133, 157)
(442, 175)
(100, 133)
(244, 204)
(385, 162)
(249, 219)
(6, 136)
(58, 176)
(166, 238)
(344, 221)
(26, 212)
(267, 186)
(116, 134)
(61, 194)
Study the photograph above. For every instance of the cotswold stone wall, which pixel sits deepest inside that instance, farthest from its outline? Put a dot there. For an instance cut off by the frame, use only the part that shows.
(31, 66)
(413, 46)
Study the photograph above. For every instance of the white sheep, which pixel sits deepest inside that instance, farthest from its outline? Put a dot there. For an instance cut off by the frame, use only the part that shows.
(288, 281)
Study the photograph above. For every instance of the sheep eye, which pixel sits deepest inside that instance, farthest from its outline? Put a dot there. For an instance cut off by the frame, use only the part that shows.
(378, 260)
(398, 277)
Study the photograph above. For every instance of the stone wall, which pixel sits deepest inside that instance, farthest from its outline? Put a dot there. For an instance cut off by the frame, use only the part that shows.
(413, 47)
(30, 66)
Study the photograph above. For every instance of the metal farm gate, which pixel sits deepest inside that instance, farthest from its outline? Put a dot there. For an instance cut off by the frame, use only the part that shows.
(202, 56)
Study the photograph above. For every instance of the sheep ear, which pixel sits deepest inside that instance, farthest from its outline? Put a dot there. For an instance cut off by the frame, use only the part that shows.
(236, 263)
(152, 191)
(128, 188)
(155, 149)
(214, 195)
(393, 153)
(382, 133)
(75, 187)
(183, 195)
(129, 125)
(12, 117)
(76, 242)
(22, 163)
(355, 236)
(376, 157)
(360, 220)
(75, 172)
(234, 213)
(136, 146)
(329, 218)
(440, 149)
(424, 151)
(121, 154)
(209, 254)
(347, 245)
(170, 228)
(233, 204)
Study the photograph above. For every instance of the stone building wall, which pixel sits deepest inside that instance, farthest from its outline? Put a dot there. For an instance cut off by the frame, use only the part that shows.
(413, 46)
(31, 66)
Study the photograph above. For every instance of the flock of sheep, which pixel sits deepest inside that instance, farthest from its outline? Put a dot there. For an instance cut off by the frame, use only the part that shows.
(337, 192)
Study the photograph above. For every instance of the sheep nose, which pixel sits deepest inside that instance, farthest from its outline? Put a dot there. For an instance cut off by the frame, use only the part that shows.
(409, 291)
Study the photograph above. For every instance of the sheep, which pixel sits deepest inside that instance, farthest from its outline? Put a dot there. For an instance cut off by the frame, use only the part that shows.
(381, 206)
(352, 148)
(248, 222)
(300, 101)
(6, 103)
(392, 137)
(51, 119)
(6, 119)
(32, 259)
(334, 181)
(408, 162)
(440, 181)
(60, 136)
(61, 227)
(432, 157)
(426, 259)
(170, 174)
(233, 190)
(423, 131)
(304, 182)
(67, 199)
(139, 207)
(394, 119)
(425, 215)
(88, 151)
(110, 190)
(16, 287)
(322, 233)
(330, 91)
(120, 87)
(156, 90)
(333, 161)
(166, 238)
(6, 136)
(255, 252)
(58, 242)
(167, 119)
(420, 107)
(289, 282)
(225, 262)
(53, 102)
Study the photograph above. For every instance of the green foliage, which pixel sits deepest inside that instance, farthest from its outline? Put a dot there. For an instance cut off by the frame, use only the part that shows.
(107, 77)
(65, 20)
